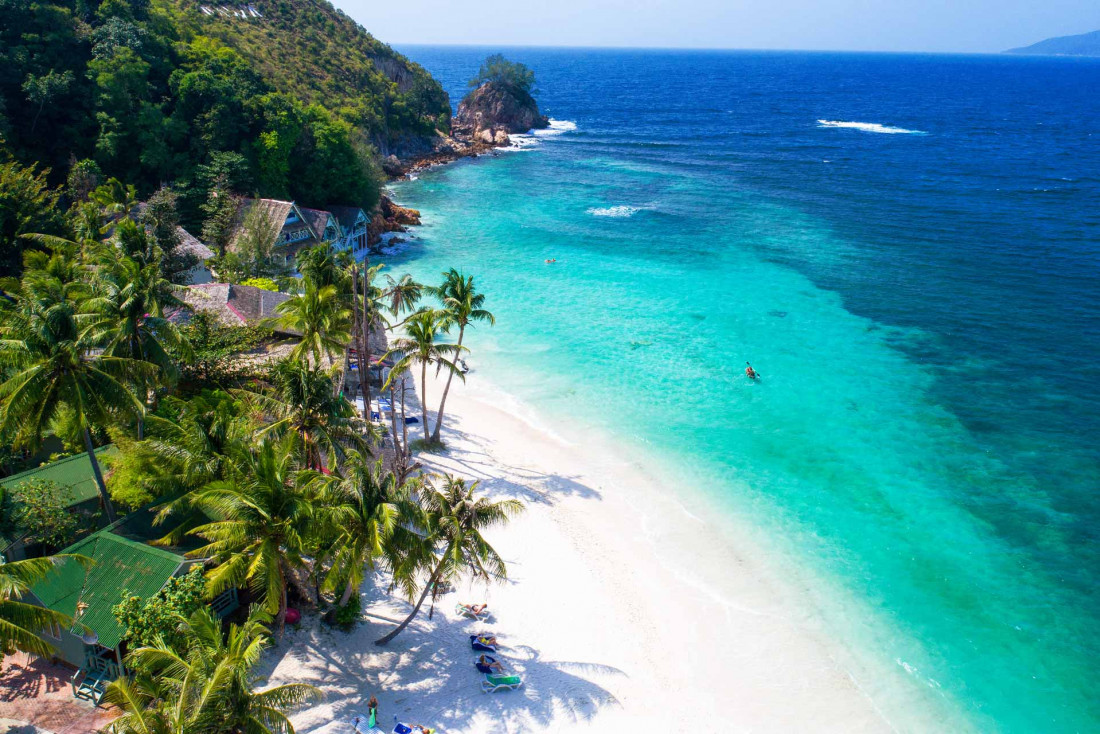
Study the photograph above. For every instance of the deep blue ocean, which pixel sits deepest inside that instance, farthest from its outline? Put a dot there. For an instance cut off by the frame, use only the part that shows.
(907, 248)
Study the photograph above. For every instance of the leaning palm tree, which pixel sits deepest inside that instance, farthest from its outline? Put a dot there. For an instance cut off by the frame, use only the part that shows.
(207, 686)
(262, 518)
(20, 622)
(419, 347)
(452, 520)
(322, 316)
(301, 399)
(53, 368)
(366, 507)
(462, 306)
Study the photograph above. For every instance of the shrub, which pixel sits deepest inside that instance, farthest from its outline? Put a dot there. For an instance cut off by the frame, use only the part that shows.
(40, 508)
(160, 615)
(512, 74)
(266, 283)
(347, 616)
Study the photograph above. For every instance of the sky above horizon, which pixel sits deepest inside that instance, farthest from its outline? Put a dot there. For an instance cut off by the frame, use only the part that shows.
(842, 25)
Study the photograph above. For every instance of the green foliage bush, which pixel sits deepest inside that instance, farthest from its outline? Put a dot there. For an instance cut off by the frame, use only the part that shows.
(147, 619)
(27, 204)
(266, 283)
(213, 361)
(348, 616)
(40, 508)
(512, 74)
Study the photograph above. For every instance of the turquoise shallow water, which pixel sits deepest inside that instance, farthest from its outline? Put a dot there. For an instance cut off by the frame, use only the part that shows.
(925, 325)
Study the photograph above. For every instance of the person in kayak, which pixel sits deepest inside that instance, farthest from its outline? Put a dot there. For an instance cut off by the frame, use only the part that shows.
(750, 372)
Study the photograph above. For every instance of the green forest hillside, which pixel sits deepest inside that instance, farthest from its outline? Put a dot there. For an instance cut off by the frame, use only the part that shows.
(293, 100)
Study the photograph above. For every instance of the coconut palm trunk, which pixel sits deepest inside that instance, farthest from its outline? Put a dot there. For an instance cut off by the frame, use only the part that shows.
(364, 352)
(446, 389)
(347, 593)
(280, 617)
(416, 610)
(108, 508)
(424, 399)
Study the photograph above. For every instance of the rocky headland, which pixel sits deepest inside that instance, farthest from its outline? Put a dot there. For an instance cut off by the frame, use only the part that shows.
(501, 104)
(494, 110)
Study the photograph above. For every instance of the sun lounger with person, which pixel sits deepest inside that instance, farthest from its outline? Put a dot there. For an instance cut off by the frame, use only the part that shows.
(486, 664)
(472, 611)
(487, 643)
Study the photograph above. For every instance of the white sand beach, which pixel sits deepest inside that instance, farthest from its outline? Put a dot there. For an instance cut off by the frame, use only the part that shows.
(607, 634)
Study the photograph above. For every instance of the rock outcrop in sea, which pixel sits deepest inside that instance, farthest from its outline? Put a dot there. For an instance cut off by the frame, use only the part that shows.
(493, 111)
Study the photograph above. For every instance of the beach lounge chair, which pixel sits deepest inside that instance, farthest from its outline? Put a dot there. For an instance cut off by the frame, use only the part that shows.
(399, 728)
(499, 682)
(466, 610)
(480, 646)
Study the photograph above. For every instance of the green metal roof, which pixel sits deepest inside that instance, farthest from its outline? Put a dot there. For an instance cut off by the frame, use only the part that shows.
(120, 565)
(74, 473)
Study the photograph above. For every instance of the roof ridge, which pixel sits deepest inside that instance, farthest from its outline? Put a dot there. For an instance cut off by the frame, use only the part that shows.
(50, 464)
(108, 534)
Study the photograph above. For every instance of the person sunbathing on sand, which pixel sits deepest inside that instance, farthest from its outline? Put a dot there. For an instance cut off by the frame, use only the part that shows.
(487, 639)
(490, 664)
(475, 608)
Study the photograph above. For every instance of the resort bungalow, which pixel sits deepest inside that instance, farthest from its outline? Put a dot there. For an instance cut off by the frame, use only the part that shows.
(353, 224)
(72, 475)
(233, 305)
(200, 272)
(123, 563)
(293, 228)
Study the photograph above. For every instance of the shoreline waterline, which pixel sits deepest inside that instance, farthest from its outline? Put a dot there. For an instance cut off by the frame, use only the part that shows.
(737, 576)
(917, 304)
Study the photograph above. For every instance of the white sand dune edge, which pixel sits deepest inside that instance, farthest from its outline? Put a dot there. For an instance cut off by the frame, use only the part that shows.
(607, 636)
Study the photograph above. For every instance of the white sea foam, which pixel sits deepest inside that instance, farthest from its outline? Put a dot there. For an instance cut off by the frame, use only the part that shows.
(614, 211)
(870, 127)
(557, 127)
(530, 139)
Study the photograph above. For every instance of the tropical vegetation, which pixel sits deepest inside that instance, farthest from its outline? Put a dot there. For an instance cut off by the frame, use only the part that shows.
(270, 469)
(296, 104)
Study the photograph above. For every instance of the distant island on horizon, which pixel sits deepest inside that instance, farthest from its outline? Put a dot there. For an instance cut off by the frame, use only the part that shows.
(1084, 44)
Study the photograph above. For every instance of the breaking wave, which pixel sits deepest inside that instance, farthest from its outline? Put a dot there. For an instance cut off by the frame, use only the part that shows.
(613, 211)
(557, 127)
(870, 127)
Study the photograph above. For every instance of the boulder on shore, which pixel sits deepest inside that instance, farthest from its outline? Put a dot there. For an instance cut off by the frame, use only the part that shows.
(492, 111)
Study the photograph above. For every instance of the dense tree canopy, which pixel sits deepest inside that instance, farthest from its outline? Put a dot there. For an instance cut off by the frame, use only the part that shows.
(295, 104)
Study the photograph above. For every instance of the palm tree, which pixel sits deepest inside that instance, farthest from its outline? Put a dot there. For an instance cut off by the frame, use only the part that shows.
(19, 621)
(182, 453)
(301, 399)
(115, 199)
(366, 505)
(53, 368)
(321, 266)
(322, 316)
(419, 346)
(462, 306)
(209, 686)
(128, 317)
(261, 524)
(395, 298)
(452, 521)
